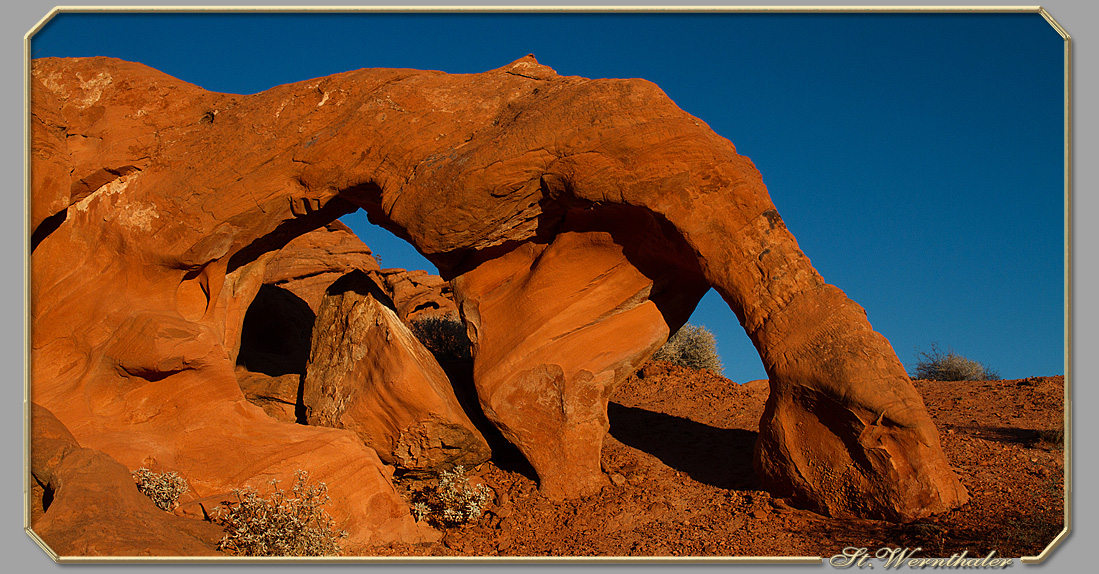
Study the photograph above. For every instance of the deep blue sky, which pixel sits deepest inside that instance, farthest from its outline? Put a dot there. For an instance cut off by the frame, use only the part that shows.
(917, 158)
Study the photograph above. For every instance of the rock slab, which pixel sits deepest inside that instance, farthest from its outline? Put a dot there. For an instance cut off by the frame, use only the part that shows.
(368, 373)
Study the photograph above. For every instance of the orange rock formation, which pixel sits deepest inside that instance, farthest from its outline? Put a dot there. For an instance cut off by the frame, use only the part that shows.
(368, 373)
(581, 220)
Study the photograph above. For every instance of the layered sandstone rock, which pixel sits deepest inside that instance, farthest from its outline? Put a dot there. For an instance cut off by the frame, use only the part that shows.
(559, 326)
(177, 405)
(369, 374)
(94, 508)
(277, 330)
(417, 293)
(313, 261)
(508, 181)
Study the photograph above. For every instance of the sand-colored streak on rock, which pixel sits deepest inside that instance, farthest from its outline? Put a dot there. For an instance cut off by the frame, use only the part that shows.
(96, 510)
(470, 169)
(368, 373)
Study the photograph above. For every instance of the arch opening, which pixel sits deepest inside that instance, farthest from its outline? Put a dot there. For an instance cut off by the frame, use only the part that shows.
(394, 250)
(274, 348)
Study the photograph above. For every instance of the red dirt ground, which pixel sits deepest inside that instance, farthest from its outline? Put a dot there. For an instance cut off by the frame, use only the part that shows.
(679, 456)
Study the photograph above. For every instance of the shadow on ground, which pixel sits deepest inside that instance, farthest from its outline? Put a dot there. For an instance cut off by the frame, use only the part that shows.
(710, 455)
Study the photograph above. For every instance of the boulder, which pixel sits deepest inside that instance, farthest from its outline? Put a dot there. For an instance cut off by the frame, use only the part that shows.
(368, 373)
(502, 179)
(275, 301)
(276, 332)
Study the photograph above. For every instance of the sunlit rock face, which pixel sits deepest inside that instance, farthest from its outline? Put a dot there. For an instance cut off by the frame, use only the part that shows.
(92, 507)
(275, 303)
(368, 373)
(156, 202)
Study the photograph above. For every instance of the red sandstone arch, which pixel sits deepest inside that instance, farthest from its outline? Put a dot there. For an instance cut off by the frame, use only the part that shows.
(579, 219)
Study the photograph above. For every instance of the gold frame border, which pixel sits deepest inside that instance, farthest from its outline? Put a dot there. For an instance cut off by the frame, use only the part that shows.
(1057, 540)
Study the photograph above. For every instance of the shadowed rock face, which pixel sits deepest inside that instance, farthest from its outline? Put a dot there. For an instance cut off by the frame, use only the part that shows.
(156, 201)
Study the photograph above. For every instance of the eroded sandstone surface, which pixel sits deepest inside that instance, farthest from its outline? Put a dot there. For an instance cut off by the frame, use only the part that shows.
(92, 507)
(368, 373)
(158, 205)
(277, 298)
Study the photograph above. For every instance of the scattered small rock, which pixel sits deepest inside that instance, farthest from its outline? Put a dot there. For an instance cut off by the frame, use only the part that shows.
(781, 505)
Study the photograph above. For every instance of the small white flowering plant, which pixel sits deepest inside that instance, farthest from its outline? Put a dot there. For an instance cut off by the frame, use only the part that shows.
(453, 501)
(163, 488)
(282, 523)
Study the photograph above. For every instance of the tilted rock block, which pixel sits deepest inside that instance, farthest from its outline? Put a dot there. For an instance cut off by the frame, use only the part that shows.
(275, 336)
(368, 373)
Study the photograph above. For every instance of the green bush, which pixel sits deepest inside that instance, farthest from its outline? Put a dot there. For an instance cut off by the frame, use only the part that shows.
(935, 365)
(691, 346)
(282, 524)
(453, 501)
(163, 488)
(445, 336)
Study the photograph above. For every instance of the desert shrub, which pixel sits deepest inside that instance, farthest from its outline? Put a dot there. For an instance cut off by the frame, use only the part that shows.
(281, 524)
(453, 501)
(934, 365)
(691, 346)
(163, 488)
(1051, 438)
(445, 336)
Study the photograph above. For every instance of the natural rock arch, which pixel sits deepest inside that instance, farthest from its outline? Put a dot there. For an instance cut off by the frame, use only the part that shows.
(579, 220)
